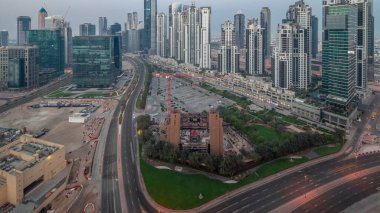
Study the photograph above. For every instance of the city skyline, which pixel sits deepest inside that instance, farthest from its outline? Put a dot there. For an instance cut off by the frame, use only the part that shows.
(117, 10)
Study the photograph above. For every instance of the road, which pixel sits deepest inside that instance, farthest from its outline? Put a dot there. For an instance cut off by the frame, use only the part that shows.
(45, 90)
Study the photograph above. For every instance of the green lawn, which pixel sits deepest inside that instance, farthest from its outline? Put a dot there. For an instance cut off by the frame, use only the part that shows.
(266, 133)
(93, 95)
(328, 150)
(60, 94)
(179, 191)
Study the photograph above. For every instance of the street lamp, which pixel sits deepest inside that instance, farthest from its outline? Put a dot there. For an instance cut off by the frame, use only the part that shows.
(305, 185)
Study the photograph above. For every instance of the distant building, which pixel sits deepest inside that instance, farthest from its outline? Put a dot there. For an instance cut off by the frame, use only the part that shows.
(68, 37)
(32, 173)
(150, 25)
(205, 38)
(135, 20)
(42, 14)
(87, 29)
(51, 53)
(266, 23)
(54, 22)
(132, 40)
(255, 57)
(229, 55)
(200, 132)
(23, 26)
(18, 67)
(239, 23)
(315, 36)
(4, 38)
(175, 10)
(115, 29)
(162, 28)
(96, 60)
(103, 27)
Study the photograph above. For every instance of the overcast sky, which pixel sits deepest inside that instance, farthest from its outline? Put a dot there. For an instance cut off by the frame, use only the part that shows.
(116, 10)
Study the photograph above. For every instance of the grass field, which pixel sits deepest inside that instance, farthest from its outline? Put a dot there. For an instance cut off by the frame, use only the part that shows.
(179, 191)
(93, 95)
(60, 94)
(328, 150)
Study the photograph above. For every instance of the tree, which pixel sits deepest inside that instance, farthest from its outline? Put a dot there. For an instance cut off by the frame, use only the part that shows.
(230, 165)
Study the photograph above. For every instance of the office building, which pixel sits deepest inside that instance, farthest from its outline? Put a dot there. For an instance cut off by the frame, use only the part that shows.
(129, 24)
(150, 25)
(292, 61)
(255, 57)
(175, 10)
(103, 27)
(315, 36)
(32, 173)
(68, 43)
(87, 29)
(339, 52)
(205, 38)
(4, 38)
(54, 22)
(195, 132)
(42, 14)
(115, 29)
(161, 35)
(96, 60)
(51, 51)
(239, 23)
(135, 20)
(229, 55)
(265, 22)
(23, 26)
(18, 67)
(190, 35)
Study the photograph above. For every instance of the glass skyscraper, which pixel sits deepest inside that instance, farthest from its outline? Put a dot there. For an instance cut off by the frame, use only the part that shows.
(51, 57)
(239, 22)
(339, 53)
(23, 26)
(150, 25)
(96, 60)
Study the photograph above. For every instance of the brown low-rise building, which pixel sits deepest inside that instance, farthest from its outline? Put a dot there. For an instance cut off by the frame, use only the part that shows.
(195, 132)
(26, 165)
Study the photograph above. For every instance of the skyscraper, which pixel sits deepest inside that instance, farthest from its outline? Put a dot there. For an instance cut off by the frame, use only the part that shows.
(255, 58)
(339, 52)
(229, 56)
(135, 20)
(265, 22)
(161, 35)
(129, 24)
(50, 53)
(23, 26)
(42, 14)
(190, 34)
(150, 25)
(4, 38)
(115, 29)
(239, 23)
(103, 26)
(315, 35)
(205, 37)
(87, 29)
(96, 60)
(175, 10)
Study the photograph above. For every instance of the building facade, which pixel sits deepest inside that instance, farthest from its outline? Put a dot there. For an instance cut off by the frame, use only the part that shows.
(315, 36)
(239, 23)
(68, 43)
(255, 57)
(87, 29)
(175, 10)
(54, 22)
(205, 38)
(42, 14)
(115, 29)
(23, 26)
(18, 67)
(96, 60)
(162, 28)
(229, 55)
(51, 53)
(266, 24)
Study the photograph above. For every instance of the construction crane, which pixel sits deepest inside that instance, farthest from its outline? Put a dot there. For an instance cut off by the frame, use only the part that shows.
(169, 76)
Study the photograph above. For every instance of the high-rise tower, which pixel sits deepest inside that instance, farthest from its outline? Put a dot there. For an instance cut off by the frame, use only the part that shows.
(150, 25)
(23, 26)
(255, 58)
(265, 22)
(229, 56)
(103, 26)
(161, 34)
(42, 14)
(239, 23)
